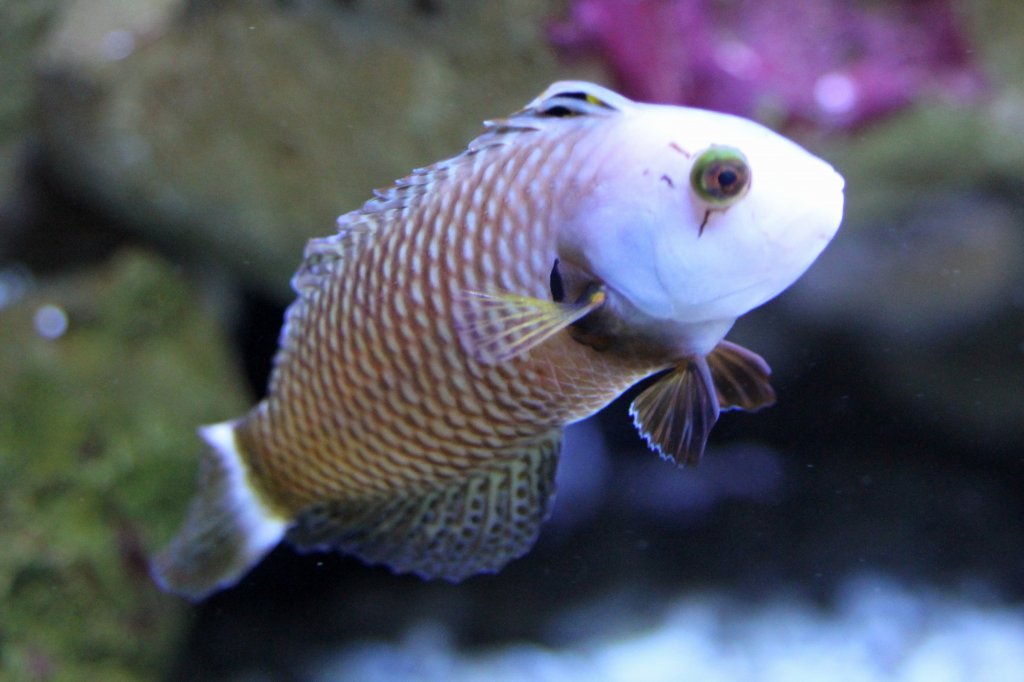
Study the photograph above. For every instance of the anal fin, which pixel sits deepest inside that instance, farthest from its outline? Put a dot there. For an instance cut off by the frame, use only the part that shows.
(227, 528)
(498, 326)
(741, 378)
(475, 524)
(676, 413)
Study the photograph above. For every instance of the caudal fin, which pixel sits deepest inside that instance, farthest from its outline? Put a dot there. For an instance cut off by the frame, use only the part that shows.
(228, 528)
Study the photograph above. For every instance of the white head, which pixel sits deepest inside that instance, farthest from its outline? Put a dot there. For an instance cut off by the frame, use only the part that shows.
(694, 217)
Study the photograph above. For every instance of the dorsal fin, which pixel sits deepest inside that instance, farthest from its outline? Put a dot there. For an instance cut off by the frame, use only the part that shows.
(574, 98)
(480, 521)
(323, 254)
(563, 99)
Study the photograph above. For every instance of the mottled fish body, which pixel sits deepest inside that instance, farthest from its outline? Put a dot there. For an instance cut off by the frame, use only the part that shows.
(443, 338)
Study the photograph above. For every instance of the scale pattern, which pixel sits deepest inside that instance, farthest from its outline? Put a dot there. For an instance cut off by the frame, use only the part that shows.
(377, 414)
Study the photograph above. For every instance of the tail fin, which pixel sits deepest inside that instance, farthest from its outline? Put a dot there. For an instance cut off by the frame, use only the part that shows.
(228, 528)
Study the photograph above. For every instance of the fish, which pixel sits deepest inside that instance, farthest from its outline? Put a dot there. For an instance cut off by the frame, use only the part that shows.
(450, 329)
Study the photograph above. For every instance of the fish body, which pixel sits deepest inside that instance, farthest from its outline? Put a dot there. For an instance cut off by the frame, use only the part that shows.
(445, 335)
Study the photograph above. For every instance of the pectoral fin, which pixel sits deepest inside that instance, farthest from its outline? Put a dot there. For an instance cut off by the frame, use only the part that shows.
(741, 378)
(498, 326)
(675, 414)
(475, 524)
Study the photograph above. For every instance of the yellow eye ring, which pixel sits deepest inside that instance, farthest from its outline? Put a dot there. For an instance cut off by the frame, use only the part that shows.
(720, 176)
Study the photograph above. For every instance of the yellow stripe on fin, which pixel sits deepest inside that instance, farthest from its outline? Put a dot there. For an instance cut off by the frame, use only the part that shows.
(741, 378)
(497, 327)
(676, 413)
(476, 524)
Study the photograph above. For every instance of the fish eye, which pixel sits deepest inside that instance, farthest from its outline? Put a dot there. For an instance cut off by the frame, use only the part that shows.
(720, 176)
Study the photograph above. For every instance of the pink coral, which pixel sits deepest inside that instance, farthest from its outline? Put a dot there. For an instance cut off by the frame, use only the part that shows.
(836, 63)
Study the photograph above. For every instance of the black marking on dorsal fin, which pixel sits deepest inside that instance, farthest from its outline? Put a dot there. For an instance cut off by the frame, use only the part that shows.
(475, 523)
(574, 98)
(570, 104)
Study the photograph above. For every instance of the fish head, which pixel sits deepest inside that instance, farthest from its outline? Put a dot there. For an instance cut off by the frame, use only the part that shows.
(692, 217)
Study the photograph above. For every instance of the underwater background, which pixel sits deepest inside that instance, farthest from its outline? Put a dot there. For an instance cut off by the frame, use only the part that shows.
(162, 163)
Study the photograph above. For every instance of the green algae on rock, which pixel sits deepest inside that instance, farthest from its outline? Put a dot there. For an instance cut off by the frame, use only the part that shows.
(105, 375)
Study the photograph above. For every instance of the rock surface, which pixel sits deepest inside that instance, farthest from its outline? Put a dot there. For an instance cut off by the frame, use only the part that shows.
(22, 26)
(105, 375)
(235, 132)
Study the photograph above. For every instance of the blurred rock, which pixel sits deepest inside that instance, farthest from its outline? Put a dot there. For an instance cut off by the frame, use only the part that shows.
(930, 268)
(996, 27)
(932, 293)
(234, 131)
(877, 630)
(22, 25)
(925, 281)
(105, 376)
